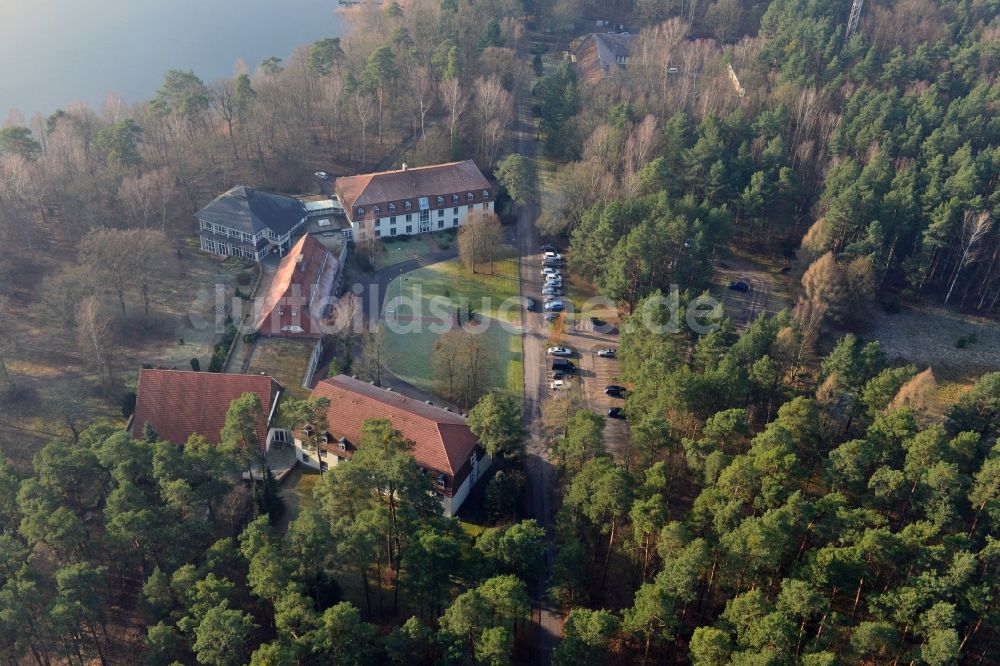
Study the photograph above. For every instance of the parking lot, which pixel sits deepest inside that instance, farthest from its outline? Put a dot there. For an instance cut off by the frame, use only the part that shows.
(594, 373)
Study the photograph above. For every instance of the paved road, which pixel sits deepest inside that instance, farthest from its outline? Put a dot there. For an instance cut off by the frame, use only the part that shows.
(377, 284)
(540, 471)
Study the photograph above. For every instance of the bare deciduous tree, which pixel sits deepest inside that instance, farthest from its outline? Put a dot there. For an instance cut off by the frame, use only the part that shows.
(147, 198)
(96, 332)
(480, 239)
(462, 364)
(375, 355)
(975, 228)
(455, 99)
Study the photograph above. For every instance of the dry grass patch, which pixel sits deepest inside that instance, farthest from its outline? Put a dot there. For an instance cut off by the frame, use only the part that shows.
(285, 359)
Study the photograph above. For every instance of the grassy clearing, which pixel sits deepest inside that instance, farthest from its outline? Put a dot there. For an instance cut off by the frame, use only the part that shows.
(449, 286)
(929, 336)
(471, 529)
(285, 360)
(305, 487)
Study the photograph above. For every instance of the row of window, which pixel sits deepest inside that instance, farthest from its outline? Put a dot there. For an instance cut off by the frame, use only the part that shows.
(227, 250)
(470, 196)
(409, 228)
(226, 231)
(424, 214)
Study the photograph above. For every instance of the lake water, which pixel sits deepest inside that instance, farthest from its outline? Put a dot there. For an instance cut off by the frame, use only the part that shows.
(54, 52)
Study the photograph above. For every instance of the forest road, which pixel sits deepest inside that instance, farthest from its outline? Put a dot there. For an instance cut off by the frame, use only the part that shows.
(539, 469)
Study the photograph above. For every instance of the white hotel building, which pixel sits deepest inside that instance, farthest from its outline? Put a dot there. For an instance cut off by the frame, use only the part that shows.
(413, 200)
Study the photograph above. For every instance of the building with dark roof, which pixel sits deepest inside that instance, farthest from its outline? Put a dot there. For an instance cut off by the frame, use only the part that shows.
(412, 201)
(249, 223)
(443, 445)
(181, 403)
(300, 292)
(597, 54)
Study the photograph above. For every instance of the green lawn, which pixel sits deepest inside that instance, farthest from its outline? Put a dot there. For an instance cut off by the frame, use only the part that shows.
(449, 285)
(408, 247)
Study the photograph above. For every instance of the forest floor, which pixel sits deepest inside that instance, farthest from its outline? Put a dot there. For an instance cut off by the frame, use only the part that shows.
(54, 375)
(770, 289)
(930, 336)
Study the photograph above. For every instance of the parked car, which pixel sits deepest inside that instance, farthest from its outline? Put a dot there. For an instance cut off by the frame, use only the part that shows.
(551, 254)
(322, 175)
(615, 391)
(549, 247)
(557, 384)
(559, 351)
(739, 285)
(530, 305)
(616, 413)
(558, 374)
(555, 306)
(563, 365)
(549, 270)
(551, 317)
(553, 279)
(607, 353)
(597, 322)
(553, 284)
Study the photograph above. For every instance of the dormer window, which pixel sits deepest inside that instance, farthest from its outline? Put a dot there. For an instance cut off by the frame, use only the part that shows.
(408, 205)
(392, 208)
(439, 481)
(454, 198)
(440, 200)
(376, 210)
(470, 196)
(342, 444)
(361, 212)
(486, 194)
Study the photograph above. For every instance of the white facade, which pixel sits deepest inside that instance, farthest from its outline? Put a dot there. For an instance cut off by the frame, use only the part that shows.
(225, 241)
(451, 505)
(454, 503)
(388, 223)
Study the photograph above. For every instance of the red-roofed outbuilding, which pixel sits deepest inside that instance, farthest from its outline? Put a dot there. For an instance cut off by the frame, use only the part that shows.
(181, 403)
(300, 290)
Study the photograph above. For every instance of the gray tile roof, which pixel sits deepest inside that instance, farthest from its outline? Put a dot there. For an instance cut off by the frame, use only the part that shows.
(246, 209)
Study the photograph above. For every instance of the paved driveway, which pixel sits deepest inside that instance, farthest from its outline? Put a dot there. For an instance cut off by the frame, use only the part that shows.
(540, 471)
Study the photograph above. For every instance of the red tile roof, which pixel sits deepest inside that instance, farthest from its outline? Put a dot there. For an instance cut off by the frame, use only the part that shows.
(377, 188)
(598, 53)
(181, 403)
(305, 277)
(442, 440)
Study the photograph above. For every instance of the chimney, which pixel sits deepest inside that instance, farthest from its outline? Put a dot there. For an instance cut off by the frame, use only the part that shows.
(405, 166)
